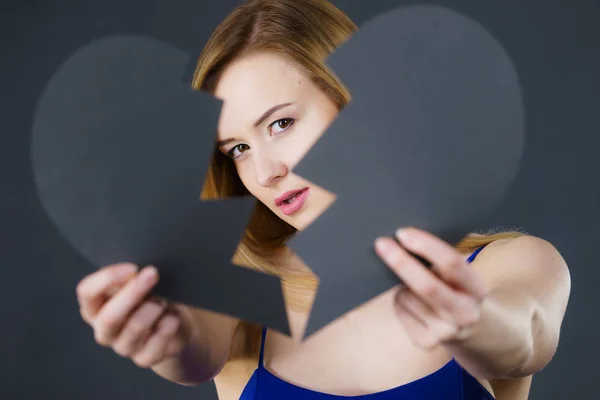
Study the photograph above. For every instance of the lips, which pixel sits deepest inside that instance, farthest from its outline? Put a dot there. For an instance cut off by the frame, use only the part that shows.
(290, 202)
(288, 197)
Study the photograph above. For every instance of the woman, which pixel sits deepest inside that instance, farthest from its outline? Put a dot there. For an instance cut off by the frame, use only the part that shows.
(478, 324)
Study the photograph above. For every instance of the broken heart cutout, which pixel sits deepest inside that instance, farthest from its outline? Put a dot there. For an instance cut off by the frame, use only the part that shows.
(120, 149)
(433, 138)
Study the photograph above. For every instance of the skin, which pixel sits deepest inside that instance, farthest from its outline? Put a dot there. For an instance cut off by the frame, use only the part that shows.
(499, 317)
(265, 154)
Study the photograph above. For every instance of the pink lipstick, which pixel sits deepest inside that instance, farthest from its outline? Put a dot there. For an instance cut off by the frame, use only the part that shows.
(292, 201)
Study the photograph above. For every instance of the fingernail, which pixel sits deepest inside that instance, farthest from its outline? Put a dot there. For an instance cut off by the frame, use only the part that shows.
(403, 234)
(382, 244)
(126, 270)
(149, 273)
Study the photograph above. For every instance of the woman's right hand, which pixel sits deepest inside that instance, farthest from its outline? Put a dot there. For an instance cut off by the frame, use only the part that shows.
(114, 302)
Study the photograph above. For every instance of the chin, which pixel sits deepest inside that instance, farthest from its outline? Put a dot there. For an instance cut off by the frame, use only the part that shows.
(301, 220)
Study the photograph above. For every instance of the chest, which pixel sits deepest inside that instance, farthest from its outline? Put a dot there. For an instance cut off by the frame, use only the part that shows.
(366, 351)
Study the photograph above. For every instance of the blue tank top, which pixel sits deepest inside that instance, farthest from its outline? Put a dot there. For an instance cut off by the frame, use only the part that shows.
(451, 382)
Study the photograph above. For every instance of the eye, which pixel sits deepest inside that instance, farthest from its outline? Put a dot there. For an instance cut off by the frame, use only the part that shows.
(280, 125)
(237, 151)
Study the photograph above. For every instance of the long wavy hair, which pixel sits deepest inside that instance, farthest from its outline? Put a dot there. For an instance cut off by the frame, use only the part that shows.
(304, 32)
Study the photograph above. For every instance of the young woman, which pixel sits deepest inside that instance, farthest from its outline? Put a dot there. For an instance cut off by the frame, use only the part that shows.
(478, 324)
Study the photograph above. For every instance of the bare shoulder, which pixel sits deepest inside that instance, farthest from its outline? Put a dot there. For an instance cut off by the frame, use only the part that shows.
(524, 254)
(526, 244)
(535, 266)
(532, 269)
(528, 266)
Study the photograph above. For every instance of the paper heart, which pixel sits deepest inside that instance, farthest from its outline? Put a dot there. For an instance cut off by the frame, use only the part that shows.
(433, 138)
(120, 149)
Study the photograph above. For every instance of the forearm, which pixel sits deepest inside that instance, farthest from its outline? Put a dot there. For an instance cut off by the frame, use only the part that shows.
(206, 350)
(501, 344)
(191, 366)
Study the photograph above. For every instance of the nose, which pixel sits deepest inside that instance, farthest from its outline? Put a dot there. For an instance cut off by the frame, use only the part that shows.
(269, 170)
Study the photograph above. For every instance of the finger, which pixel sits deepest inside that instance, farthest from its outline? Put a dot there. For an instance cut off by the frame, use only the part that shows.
(155, 349)
(174, 347)
(439, 328)
(441, 320)
(92, 289)
(453, 306)
(414, 327)
(114, 313)
(417, 308)
(445, 259)
(417, 278)
(141, 321)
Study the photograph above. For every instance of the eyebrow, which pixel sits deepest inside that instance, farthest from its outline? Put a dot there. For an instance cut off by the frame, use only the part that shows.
(270, 112)
(259, 121)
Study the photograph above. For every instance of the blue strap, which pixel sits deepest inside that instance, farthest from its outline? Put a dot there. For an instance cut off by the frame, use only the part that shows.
(262, 347)
(472, 257)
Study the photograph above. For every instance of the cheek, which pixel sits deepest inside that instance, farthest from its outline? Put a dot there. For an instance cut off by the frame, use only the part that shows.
(246, 173)
(292, 146)
(307, 135)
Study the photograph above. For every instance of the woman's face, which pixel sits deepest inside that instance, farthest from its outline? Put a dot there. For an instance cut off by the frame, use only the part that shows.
(271, 117)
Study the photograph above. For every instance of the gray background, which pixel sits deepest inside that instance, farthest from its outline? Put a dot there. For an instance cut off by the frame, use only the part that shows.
(47, 350)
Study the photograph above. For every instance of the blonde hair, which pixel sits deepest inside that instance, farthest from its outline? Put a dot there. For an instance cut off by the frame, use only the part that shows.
(305, 32)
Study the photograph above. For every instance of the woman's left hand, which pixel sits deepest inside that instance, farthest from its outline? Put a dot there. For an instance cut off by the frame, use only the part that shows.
(436, 305)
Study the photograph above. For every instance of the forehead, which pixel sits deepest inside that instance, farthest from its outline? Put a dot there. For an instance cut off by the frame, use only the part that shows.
(252, 85)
